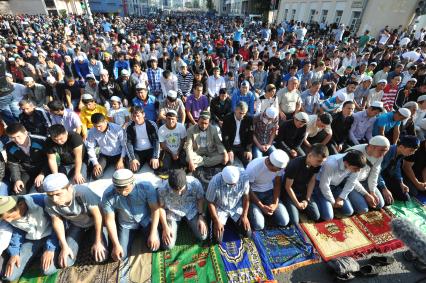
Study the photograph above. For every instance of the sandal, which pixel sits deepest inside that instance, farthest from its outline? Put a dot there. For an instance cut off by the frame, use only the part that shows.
(367, 271)
(344, 277)
(381, 260)
(409, 256)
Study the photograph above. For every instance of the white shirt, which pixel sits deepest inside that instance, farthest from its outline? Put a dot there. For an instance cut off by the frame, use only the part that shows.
(173, 137)
(119, 115)
(373, 95)
(214, 85)
(260, 177)
(142, 141)
(237, 140)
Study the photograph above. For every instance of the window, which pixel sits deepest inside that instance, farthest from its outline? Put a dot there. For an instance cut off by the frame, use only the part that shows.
(338, 17)
(355, 21)
(324, 14)
(285, 14)
(50, 3)
(293, 14)
(311, 16)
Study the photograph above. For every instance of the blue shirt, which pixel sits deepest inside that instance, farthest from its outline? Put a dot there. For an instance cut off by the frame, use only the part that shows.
(249, 98)
(385, 120)
(133, 210)
(237, 34)
(149, 106)
(330, 104)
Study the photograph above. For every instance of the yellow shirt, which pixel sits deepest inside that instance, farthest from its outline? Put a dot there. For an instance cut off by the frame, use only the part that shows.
(86, 114)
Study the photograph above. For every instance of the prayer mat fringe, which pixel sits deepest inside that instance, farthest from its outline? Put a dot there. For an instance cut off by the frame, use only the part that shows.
(295, 266)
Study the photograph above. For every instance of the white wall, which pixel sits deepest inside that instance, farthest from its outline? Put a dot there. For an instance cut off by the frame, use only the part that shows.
(31, 7)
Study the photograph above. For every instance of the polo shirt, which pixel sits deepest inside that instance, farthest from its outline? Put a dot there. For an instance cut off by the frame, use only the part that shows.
(385, 120)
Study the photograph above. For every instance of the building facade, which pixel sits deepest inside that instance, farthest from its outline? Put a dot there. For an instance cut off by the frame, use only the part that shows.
(359, 15)
(109, 6)
(34, 7)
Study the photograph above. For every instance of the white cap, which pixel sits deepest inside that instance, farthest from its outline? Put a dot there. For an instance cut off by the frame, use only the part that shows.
(50, 79)
(90, 76)
(8, 75)
(279, 158)
(377, 104)
(124, 72)
(404, 112)
(140, 86)
(421, 98)
(379, 141)
(115, 98)
(412, 80)
(183, 64)
(28, 79)
(87, 96)
(245, 83)
(341, 96)
(422, 124)
(231, 174)
(271, 112)
(367, 78)
(103, 72)
(302, 116)
(80, 58)
(172, 94)
(54, 182)
(382, 81)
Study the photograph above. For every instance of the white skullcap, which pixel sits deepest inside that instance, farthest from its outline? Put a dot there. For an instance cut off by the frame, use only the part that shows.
(54, 182)
(183, 64)
(28, 79)
(404, 112)
(302, 116)
(279, 158)
(367, 78)
(87, 96)
(172, 94)
(231, 174)
(80, 58)
(115, 98)
(140, 86)
(379, 141)
(8, 75)
(271, 112)
(123, 177)
(104, 72)
(124, 72)
(421, 98)
(50, 79)
(377, 104)
(382, 81)
(341, 96)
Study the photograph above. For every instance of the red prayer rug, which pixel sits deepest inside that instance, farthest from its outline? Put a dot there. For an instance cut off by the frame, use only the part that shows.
(376, 226)
(337, 238)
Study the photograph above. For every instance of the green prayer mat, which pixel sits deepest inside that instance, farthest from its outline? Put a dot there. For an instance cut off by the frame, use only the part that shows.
(188, 262)
(412, 210)
(34, 276)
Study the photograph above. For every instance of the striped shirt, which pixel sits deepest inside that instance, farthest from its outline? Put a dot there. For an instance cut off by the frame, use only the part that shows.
(389, 95)
(185, 83)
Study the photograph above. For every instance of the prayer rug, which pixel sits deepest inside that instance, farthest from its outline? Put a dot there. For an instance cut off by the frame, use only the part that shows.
(188, 262)
(243, 262)
(140, 262)
(376, 226)
(33, 275)
(337, 238)
(412, 210)
(86, 270)
(285, 248)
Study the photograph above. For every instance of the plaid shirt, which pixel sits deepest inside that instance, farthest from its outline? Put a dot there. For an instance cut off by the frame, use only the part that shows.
(154, 78)
(262, 131)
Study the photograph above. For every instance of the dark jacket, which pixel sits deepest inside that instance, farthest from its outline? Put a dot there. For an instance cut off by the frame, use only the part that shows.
(37, 123)
(289, 136)
(229, 129)
(341, 127)
(219, 110)
(152, 131)
(33, 164)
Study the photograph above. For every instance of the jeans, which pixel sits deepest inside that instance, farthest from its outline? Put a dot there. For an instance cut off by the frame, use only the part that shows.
(105, 161)
(169, 163)
(280, 215)
(359, 203)
(238, 151)
(312, 210)
(193, 224)
(238, 227)
(326, 208)
(8, 114)
(29, 250)
(143, 156)
(258, 153)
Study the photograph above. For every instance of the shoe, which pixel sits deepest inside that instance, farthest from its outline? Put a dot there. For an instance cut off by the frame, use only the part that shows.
(409, 256)
(367, 271)
(381, 260)
(344, 277)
